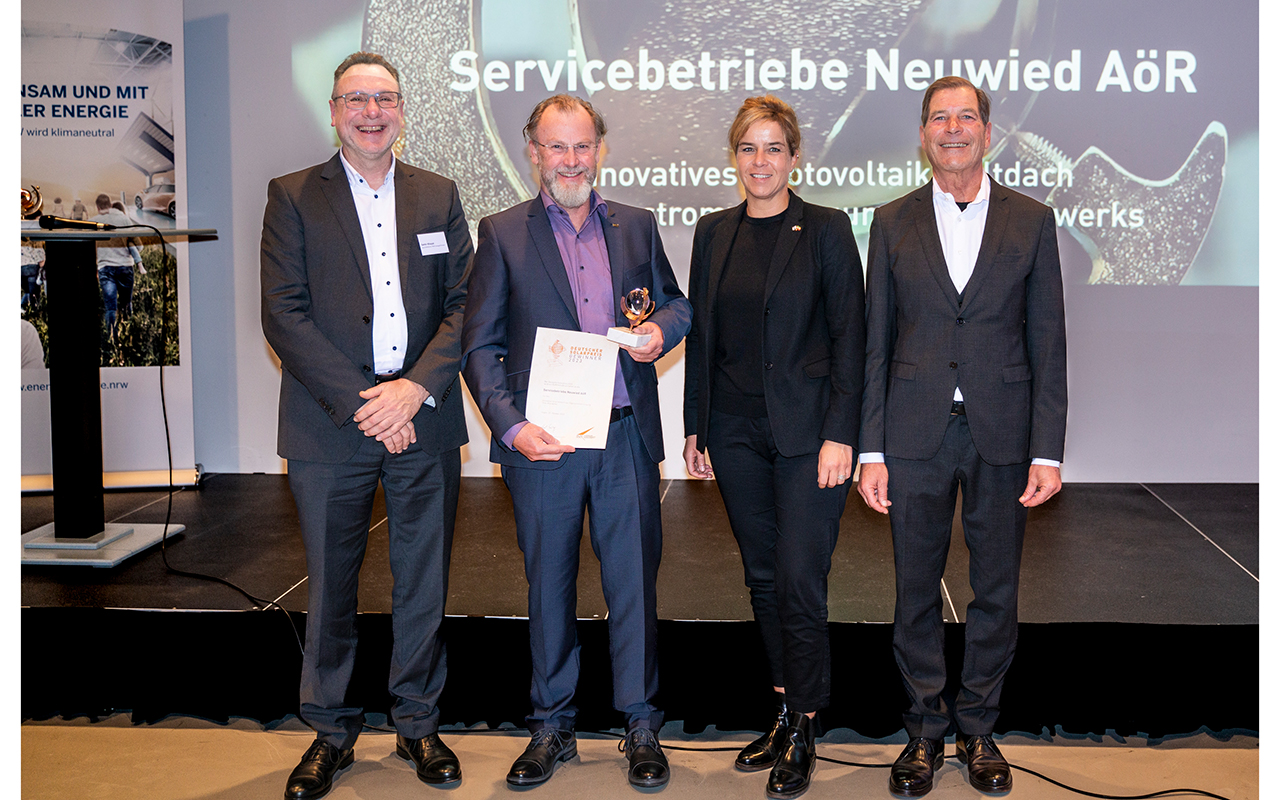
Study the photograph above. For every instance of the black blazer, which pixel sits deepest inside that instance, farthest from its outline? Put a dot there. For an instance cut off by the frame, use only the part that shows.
(814, 338)
(519, 284)
(317, 304)
(1005, 346)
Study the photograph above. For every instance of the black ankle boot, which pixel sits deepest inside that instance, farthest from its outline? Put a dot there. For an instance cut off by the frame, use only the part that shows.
(790, 776)
(763, 752)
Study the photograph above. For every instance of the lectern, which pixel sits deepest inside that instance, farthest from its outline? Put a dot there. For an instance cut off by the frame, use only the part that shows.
(79, 533)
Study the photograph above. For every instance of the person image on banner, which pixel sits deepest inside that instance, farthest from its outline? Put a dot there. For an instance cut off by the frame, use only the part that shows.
(117, 259)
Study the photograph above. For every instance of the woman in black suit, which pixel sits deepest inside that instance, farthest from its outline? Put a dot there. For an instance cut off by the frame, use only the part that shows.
(773, 395)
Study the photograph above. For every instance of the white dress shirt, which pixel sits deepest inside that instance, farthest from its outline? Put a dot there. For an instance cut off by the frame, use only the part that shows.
(377, 211)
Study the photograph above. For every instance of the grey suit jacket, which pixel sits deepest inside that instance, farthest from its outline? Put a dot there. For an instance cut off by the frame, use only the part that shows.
(1004, 345)
(317, 306)
(519, 284)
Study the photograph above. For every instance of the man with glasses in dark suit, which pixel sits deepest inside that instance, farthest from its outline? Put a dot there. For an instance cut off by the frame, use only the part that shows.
(364, 272)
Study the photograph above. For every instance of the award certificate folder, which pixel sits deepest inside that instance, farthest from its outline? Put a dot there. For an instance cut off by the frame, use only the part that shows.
(571, 386)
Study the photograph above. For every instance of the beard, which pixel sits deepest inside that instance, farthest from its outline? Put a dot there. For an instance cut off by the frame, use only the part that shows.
(569, 196)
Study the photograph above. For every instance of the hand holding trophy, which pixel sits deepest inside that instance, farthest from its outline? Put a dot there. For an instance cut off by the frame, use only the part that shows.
(637, 306)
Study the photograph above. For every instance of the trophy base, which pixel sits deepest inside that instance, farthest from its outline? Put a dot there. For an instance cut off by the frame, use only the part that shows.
(624, 336)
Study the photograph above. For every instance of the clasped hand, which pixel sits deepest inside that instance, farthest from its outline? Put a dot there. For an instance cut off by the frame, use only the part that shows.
(388, 414)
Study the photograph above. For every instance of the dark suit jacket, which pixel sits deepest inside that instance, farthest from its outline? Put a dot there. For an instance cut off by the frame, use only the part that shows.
(1004, 346)
(519, 284)
(814, 337)
(317, 307)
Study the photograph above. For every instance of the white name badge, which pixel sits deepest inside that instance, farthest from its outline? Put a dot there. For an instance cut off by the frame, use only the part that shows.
(432, 243)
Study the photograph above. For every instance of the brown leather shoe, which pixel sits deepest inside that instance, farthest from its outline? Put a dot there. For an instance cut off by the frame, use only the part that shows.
(313, 777)
(434, 761)
(988, 770)
(912, 773)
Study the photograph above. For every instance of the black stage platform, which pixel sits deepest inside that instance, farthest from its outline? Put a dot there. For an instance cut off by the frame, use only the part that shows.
(1138, 608)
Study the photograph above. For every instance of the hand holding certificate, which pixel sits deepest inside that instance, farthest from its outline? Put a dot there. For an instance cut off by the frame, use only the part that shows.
(571, 386)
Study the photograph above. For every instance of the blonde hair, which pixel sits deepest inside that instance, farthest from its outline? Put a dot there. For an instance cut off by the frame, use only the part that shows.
(765, 108)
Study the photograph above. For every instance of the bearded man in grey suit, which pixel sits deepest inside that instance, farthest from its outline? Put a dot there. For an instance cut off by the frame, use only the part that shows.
(364, 273)
(966, 386)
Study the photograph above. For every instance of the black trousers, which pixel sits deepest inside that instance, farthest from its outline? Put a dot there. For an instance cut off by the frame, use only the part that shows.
(786, 528)
(334, 506)
(923, 496)
(618, 486)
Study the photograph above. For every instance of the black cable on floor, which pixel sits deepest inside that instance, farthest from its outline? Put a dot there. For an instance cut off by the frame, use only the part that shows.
(259, 603)
(1059, 784)
(857, 763)
(1084, 792)
(1160, 793)
(734, 749)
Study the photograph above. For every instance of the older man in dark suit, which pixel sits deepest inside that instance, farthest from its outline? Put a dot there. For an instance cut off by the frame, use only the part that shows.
(562, 260)
(364, 269)
(966, 386)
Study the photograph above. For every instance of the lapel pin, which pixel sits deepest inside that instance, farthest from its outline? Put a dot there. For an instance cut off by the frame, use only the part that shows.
(615, 224)
(795, 228)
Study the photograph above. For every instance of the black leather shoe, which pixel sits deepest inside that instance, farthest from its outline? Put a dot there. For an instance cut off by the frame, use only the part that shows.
(763, 752)
(435, 762)
(912, 773)
(648, 768)
(547, 748)
(988, 771)
(790, 776)
(313, 777)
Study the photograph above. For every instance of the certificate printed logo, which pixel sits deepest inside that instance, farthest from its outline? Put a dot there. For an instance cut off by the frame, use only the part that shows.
(580, 355)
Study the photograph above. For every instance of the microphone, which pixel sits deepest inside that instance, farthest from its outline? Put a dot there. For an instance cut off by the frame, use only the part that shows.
(50, 222)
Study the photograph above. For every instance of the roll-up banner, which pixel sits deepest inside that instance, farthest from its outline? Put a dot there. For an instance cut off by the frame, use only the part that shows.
(102, 120)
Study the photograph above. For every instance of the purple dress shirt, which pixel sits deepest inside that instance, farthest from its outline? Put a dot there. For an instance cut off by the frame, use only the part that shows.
(586, 262)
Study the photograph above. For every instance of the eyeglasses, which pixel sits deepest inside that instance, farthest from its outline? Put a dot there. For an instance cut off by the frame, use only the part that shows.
(581, 150)
(361, 99)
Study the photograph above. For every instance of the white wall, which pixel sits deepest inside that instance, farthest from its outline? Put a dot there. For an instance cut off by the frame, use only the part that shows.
(245, 126)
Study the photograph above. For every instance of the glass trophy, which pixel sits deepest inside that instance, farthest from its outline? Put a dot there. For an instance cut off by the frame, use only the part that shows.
(637, 306)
